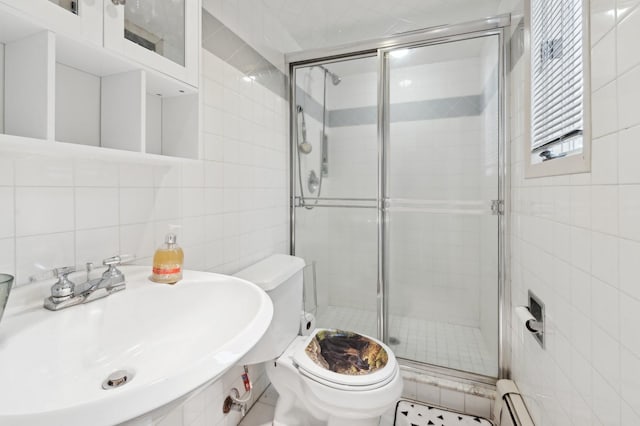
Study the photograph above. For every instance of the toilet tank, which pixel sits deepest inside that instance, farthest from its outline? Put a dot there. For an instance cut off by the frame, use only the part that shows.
(281, 277)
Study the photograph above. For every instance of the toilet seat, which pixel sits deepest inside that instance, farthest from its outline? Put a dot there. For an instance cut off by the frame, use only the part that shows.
(377, 379)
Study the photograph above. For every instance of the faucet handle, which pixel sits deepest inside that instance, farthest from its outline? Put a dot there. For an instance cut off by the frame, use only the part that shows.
(62, 272)
(63, 289)
(52, 273)
(119, 259)
(112, 261)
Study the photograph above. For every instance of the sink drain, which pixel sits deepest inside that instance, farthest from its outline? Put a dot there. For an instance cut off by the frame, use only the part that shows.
(117, 379)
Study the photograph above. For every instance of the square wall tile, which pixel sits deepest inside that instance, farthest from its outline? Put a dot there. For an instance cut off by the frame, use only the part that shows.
(136, 205)
(606, 401)
(168, 204)
(96, 207)
(603, 18)
(605, 354)
(44, 210)
(136, 176)
(628, 416)
(604, 255)
(629, 317)
(6, 170)
(629, 211)
(603, 61)
(193, 202)
(629, 98)
(625, 7)
(40, 253)
(169, 176)
(630, 384)
(605, 307)
(604, 160)
(628, 35)
(43, 172)
(193, 174)
(96, 173)
(95, 245)
(629, 253)
(7, 222)
(193, 408)
(7, 260)
(137, 239)
(604, 110)
(628, 155)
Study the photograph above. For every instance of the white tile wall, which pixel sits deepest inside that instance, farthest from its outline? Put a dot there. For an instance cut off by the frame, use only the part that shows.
(61, 206)
(576, 243)
(60, 210)
(203, 407)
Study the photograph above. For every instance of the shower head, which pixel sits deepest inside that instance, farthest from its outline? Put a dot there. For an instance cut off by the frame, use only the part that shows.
(303, 146)
(335, 79)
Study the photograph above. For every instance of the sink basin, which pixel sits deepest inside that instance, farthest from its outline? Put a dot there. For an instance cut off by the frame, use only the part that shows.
(170, 339)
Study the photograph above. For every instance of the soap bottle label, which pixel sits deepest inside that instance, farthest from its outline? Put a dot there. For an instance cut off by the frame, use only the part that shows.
(166, 270)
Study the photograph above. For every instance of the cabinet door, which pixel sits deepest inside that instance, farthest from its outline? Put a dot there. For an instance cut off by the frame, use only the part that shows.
(161, 34)
(77, 19)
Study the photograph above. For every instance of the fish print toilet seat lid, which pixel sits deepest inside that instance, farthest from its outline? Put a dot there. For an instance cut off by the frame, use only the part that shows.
(345, 358)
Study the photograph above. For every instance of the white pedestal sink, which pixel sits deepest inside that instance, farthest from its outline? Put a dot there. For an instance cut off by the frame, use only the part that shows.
(170, 338)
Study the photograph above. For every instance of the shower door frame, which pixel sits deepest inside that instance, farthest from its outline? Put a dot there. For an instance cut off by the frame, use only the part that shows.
(494, 26)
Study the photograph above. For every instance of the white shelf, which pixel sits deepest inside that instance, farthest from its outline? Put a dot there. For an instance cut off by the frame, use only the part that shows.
(57, 88)
(64, 150)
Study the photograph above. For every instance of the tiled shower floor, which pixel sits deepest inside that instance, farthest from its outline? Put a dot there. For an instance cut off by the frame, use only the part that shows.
(432, 342)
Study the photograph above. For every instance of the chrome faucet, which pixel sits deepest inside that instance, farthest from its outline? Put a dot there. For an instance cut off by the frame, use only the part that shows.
(64, 293)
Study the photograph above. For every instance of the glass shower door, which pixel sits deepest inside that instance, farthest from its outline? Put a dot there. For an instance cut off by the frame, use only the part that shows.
(335, 176)
(442, 177)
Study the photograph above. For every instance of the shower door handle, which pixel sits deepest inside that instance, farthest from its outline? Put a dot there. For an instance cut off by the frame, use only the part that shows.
(497, 207)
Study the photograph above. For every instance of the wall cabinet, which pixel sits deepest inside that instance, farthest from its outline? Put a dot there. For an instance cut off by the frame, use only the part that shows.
(80, 19)
(95, 73)
(161, 34)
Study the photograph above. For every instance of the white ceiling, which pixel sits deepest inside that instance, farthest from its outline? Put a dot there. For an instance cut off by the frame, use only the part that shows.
(325, 23)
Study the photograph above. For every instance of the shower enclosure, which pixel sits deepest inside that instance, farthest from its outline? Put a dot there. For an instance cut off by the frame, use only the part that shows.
(397, 182)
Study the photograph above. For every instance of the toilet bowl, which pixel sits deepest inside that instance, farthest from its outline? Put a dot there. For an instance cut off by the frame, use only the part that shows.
(331, 377)
(329, 397)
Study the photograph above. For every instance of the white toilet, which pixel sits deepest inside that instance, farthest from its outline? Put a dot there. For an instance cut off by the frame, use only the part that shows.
(331, 377)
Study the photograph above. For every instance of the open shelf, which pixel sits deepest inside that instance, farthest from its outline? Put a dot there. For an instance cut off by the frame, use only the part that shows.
(59, 89)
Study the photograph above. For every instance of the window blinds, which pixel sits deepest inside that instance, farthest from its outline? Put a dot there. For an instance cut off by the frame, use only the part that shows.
(557, 74)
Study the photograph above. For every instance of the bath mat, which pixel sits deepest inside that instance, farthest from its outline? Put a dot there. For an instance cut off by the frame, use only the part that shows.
(410, 413)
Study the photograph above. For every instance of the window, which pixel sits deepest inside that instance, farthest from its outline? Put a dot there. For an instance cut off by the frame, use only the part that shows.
(559, 140)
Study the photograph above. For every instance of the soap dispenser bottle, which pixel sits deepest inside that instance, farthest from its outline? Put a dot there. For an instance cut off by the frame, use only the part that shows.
(167, 261)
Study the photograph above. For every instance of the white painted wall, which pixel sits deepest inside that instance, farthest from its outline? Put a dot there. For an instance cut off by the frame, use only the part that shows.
(576, 243)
